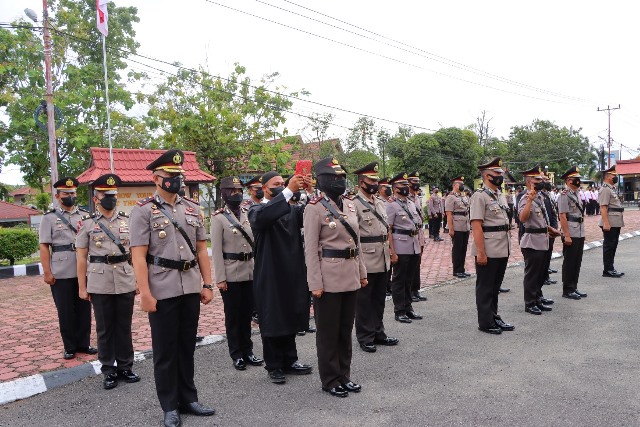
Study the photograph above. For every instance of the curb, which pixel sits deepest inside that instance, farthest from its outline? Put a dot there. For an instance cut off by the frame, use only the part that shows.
(21, 270)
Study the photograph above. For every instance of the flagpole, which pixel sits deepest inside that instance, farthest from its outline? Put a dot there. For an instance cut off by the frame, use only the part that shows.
(106, 85)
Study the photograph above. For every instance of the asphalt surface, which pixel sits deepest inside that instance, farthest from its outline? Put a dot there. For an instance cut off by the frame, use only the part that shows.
(575, 366)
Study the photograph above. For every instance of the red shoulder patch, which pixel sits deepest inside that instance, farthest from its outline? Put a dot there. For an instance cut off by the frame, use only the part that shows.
(349, 196)
(217, 212)
(192, 201)
(144, 201)
(315, 200)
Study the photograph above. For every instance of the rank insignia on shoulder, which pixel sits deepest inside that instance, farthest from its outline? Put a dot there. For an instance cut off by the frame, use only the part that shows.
(219, 211)
(83, 210)
(315, 200)
(87, 217)
(123, 214)
(349, 196)
(191, 200)
(145, 201)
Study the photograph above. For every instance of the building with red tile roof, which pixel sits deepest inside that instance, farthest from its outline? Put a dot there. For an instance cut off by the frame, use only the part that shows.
(11, 214)
(21, 194)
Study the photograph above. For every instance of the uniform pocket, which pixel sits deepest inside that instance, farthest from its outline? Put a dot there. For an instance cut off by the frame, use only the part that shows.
(368, 250)
(96, 268)
(59, 256)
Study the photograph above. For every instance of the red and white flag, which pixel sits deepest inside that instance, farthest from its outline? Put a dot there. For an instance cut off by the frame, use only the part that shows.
(103, 16)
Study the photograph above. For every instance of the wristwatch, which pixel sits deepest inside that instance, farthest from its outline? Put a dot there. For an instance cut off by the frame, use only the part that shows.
(210, 287)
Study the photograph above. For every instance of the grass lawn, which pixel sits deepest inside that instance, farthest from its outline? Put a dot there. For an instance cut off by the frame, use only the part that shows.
(30, 260)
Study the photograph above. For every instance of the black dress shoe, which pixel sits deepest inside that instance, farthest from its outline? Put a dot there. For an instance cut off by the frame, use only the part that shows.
(533, 310)
(128, 376)
(492, 330)
(338, 391)
(460, 275)
(546, 301)
(504, 290)
(415, 298)
(197, 408)
(253, 360)
(467, 274)
(67, 355)
(110, 381)
(438, 239)
(552, 270)
(298, 368)
(572, 295)
(582, 295)
(88, 350)
(420, 297)
(311, 330)
(550, 282)
(543, 307)
(413, 315)
(611, 273)
(388, 293)
(402, 318)
(239, 364)
(254, 318)
(369, 347)
(302, 333)
(172, 419)
(277, 376)
(351, 386)
(199, 338)
(504, 325)
(618, 272)
(387, 341)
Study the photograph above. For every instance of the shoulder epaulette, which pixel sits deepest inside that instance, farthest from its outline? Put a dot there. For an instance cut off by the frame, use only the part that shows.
(83, 210)
(145, 201)
(219, 211)
(564, 192)
(350, 196)
(123, 214)
(191, 200)
(50, 211)
(479, 190)
(315, 200)
(93, 215)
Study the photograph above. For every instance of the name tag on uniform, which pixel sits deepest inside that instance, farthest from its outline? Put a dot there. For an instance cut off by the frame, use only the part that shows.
(124, 229)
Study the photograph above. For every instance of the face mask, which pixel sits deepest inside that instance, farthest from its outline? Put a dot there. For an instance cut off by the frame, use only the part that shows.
(415, 186)
(108, 203)
(461, 188)
(496, 180)
(575, 182)
(172, 184)
(336, 188)
(370, 188)
(538, 186)
(259, 194)
(403, 191)
(234, 200)
(615, 180)
(387, 191)
(276, 190)
(296, 197)
(547, 186)
(68, 201)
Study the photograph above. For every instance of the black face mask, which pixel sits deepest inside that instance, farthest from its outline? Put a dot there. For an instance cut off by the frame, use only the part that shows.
(415, 186)
(538, 186)
(547, 186)
(276, 190)
(496, 180)
(370, 188)
(296, 197)
(403, 191)
(336, 188)
(172, 184)
(387, 191)
(615, 180)
(575, 182)
(108, 203)
(259, 194)
(233, 201)
(461, 188)
(68, 201)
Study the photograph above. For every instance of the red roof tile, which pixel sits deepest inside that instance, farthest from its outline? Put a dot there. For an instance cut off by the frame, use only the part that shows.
(23, 191)
(9, 211)
(628, 167)
(130, 165)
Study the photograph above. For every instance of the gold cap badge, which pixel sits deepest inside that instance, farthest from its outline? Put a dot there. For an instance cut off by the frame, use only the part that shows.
(375, 168)
(405, 176)
(69, 183)
(334, 161)
(111, 181)
(177, 159)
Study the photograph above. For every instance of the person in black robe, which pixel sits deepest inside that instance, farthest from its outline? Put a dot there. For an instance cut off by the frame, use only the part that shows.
(280, 276)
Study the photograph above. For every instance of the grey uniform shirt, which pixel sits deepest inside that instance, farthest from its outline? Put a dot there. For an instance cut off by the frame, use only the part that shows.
(434, 205)
(458, 204)
(537, 219)
(376, 255)
(488, 208)
(609, 197)
(53, 231)
(106, 278)
(569, 203)
(398, 219)
(149, 225)
(417, 200)
(226, 238)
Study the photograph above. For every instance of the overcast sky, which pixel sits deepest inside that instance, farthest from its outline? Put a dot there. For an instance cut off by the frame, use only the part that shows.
(553, 60)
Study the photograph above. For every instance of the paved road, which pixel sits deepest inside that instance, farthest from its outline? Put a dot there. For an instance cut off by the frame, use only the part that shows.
(576, 366)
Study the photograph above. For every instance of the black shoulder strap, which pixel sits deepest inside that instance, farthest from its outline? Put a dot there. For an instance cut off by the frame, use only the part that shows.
(65, 220)
(404, 207)
(373, 209)
(111, 236)
(235, 224)
(177, 226)
(578, 203)
(339, 217)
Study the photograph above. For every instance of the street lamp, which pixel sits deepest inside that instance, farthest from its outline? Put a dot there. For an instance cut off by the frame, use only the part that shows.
(51, 122)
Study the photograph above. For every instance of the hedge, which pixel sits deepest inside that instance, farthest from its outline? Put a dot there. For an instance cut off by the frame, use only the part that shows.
(17, 243)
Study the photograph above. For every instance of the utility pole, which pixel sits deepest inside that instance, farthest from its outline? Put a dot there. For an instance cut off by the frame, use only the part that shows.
(609, 110)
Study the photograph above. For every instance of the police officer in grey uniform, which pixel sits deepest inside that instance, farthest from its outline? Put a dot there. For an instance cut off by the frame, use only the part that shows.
(571, 211)
(111, 284)
(414, 196)
(254, 189)
(491, 245)
(375, 247)
(232, 253)
(534, 243)
(169, 252)
(404, 221)
(58, 230)
(435, 209)
(456, 206)
(611, 221)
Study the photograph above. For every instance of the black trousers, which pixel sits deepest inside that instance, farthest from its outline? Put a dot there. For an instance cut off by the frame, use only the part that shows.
(415, 280)
(173, 338)
(334, 319)
(403, 272)
(370, 308)
(279, 352)
(434, 225)
(552, 240)
(534, 275)
(510, 213)
(609, 247)
(238, 308)
(571, 263)
(114, 313)
(74, 314)
(488, 281)
(459, 250)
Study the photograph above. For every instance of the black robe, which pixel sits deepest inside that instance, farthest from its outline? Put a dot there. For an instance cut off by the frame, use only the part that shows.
(280, 274)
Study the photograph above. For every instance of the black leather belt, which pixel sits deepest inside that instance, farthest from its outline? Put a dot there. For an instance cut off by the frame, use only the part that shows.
(241, 256)
(169, 263)
(535, 230)
(490, 228)
(374, 239)
(340, 253)
(109, 259)
(63, 248)
(616, 209)
(461, 213)
(575, 219)
(405, 232)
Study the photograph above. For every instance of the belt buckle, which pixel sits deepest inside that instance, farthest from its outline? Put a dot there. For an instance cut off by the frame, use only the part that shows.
(245, 256)
(73, 247)
(108, 260)
(186, 266)
(352, 253)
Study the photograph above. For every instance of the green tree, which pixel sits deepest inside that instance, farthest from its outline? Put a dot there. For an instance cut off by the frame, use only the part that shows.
(42, 201)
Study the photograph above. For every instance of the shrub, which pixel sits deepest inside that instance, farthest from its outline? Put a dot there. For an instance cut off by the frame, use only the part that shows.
(17, 243)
